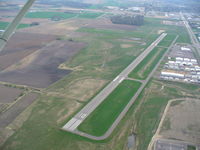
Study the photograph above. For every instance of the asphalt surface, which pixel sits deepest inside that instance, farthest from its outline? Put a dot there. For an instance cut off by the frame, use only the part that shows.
(72, 124)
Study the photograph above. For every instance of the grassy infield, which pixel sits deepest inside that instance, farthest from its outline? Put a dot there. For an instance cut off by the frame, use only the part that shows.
(42, 126)
(106, 113)
(146, 66)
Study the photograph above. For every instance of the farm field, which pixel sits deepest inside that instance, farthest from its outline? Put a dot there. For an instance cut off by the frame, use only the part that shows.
(3, 25)
(7, 117)
(49, 15)
(21, 45)
(8, 94)
(40, 69)
(105, 114)
(63, 15)
(27, 21)
(97, 64)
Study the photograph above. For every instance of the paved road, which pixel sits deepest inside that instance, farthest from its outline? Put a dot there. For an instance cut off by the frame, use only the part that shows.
(72, 125)
(193, 38)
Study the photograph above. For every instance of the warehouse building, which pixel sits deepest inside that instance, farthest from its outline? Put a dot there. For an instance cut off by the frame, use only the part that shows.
(172, 74)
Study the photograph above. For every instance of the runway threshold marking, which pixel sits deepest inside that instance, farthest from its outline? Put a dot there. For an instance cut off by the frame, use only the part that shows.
(121, 79)
(75, 125)
(83, 116)
(70, 123)
(116, 78)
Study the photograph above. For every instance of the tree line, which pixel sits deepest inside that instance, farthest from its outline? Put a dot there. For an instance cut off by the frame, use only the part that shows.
(137, 20)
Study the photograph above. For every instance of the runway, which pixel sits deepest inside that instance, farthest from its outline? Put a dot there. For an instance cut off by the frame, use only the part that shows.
(72, 124)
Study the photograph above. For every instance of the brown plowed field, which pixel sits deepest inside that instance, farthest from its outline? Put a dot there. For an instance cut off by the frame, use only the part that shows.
(8, 94)
(7, 117)
(55, 28)
(41, 69)
(22, 45)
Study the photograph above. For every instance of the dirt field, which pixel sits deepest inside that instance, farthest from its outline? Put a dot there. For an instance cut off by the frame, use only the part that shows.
(8, 94)
(182, 121)
(107, 24)
(8, 116)
(22, 45)
(84, 89)
(126, 45)
(41, 69)
(10, 12)
(69, 26)
(56, 28)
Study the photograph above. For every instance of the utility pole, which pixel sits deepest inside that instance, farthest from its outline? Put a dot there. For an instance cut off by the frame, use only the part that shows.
(13, 25)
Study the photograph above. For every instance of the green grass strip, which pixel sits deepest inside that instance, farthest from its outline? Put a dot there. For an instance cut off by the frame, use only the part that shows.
(3, 25)
(106, 113)
(62, 15)
(137, 74)
(166, 42)
(50, 15)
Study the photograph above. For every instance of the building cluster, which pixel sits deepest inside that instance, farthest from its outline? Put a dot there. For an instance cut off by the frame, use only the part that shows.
(132, 9)
(181, 66)
(176, 23)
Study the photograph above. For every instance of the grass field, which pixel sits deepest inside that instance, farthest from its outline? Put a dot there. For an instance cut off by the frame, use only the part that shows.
(146, 66)
(62, 15)
(105, 114)
(3, 25)
(50, 15)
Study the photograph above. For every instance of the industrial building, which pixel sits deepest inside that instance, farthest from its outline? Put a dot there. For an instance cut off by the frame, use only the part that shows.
(172, 74)
(181, 66)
